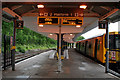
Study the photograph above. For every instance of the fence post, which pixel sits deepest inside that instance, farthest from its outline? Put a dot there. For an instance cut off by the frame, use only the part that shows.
(13, 48)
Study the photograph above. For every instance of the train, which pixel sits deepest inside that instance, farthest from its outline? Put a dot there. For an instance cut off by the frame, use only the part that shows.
(95, 48)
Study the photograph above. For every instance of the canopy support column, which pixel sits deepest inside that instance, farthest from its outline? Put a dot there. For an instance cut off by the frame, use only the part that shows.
(59, 60)
(107, 46)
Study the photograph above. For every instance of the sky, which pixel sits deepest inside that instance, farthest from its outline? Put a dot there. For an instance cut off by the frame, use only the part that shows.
(95, 32)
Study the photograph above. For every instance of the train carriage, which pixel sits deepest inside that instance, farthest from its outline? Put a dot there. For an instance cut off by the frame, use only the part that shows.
(96, 47)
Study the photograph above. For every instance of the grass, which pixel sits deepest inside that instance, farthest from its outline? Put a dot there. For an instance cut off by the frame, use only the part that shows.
(23, 48)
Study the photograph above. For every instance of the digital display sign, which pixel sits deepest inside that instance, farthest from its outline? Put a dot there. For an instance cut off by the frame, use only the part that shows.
(72, 21)
(102, 24)
(48, 20)
(19, 24)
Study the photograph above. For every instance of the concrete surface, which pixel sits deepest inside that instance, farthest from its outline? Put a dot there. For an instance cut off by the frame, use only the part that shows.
(40, 66)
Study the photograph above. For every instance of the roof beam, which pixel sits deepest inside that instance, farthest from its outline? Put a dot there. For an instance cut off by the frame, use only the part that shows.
(66, 3)
(30, 11)
(30, 14)
(108, 14)
(16, 7)
(9, 11)
(106, 8)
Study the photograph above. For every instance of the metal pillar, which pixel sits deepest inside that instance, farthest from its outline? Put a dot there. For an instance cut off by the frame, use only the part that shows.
(62, 43)
(70, 45)
(13, 51)
(59, 60)
(107, 52)
(0, 38)
(58, 43)
(65, 45)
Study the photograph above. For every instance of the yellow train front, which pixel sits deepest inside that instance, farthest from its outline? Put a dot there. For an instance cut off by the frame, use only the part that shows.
(96, 48)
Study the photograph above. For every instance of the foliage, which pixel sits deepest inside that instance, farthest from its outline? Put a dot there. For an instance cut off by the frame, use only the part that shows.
(80, 38)
(27, 39)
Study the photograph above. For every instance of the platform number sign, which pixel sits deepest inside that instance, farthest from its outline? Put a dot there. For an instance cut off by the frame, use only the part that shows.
(19, 24)
(102, 24)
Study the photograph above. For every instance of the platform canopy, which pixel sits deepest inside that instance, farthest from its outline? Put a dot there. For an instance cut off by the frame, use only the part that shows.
(95, 11)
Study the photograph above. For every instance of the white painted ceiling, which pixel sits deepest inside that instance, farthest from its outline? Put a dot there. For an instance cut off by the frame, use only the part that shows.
(31, 22)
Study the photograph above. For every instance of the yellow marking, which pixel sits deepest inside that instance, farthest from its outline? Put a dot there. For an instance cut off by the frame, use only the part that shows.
(57, 55)
(64, 45)
(107, 49)
(13, 47)
(62, 57)
(59, 47)
(0, 50)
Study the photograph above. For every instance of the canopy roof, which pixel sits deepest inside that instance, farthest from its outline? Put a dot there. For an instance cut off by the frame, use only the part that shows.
(94, 12)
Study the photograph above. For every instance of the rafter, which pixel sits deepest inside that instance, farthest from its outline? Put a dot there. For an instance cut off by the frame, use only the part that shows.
(29, 11)
(106, 8)
(9, 11)
(16, 7)
(108, 14)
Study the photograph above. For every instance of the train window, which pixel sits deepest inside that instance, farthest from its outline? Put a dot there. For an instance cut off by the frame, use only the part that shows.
(79, 45)
(90, 45)
(99, 45)
(117, 41)
(83, 44)
(114, 42)
(111, 42)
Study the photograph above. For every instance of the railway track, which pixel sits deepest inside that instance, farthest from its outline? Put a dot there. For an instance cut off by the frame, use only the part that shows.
(20, 57)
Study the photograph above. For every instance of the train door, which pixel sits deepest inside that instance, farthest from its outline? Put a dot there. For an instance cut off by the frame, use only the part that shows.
(96, 43)
(86, 47)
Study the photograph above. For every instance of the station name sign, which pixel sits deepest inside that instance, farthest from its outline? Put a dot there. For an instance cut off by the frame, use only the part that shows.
(102, 24)
(64, 20)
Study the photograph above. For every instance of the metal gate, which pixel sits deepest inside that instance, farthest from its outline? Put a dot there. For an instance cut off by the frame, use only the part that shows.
(7, 54)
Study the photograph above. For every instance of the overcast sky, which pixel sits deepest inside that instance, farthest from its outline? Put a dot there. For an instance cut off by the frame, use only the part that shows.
(94, 32)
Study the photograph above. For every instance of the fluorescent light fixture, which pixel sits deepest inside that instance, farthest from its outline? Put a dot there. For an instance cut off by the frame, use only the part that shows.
(71, 34)
(83, 6)
(51, 34)
(78, 26)
(40, 6)
(40, 25)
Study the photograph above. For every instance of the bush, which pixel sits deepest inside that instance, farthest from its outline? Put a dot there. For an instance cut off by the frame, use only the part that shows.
(21, 49)
(27, 39)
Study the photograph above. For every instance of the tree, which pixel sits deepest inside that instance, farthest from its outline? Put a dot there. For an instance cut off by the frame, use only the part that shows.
(80, 38)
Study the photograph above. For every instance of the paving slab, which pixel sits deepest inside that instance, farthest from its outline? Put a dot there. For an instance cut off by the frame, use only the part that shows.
(40, 66)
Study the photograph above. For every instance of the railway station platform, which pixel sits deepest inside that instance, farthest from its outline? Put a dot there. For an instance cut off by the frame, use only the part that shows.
(41, 66)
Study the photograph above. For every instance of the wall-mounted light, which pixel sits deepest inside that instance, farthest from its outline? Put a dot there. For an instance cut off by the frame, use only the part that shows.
(40, 25)
(40, 6)
(78, 26)
(83, 6)
(71, 34)
(51, 34)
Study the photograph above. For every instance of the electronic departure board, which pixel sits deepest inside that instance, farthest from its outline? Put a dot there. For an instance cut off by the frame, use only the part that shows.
(48, 21)
(72, 21)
